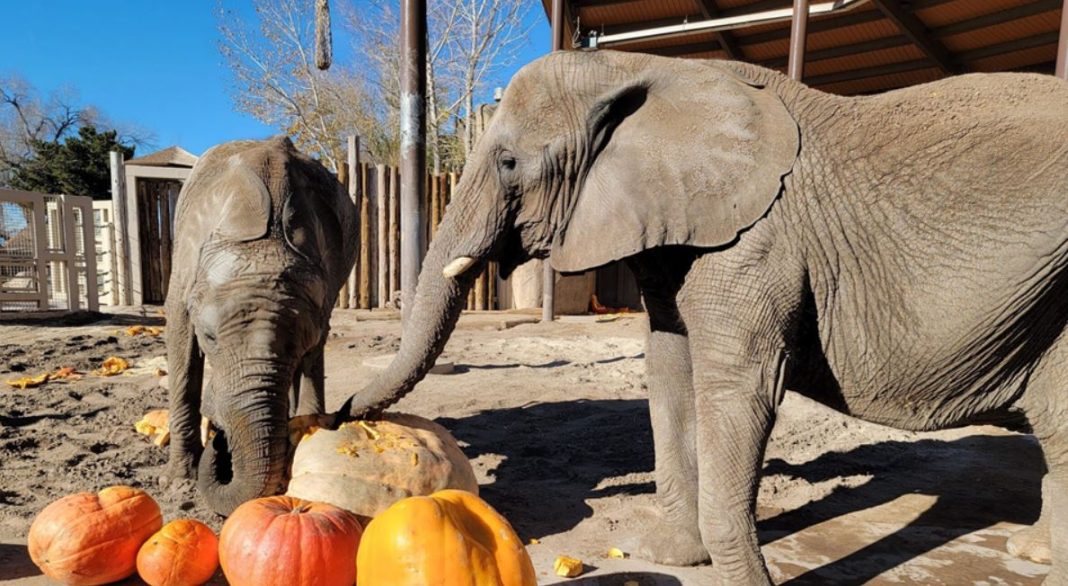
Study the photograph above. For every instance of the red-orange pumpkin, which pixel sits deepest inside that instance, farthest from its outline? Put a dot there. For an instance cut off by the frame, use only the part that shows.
(86, 539)
(184, 553)
(286, 541)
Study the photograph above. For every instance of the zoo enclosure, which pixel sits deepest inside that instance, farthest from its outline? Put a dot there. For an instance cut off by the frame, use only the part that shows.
(44, 263)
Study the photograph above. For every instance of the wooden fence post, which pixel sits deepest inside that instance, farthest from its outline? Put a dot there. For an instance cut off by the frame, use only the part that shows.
(382, 236)
(343, 294)
(394, 232)
(353, 156)
(365, 238)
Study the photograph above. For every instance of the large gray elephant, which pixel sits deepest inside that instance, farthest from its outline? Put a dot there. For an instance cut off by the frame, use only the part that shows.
(902, 258)
(264, 238)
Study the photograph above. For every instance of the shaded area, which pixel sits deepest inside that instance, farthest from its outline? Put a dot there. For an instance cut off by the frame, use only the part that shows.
(15, 562)
(620, 578)
(550, 469)
(977, 481)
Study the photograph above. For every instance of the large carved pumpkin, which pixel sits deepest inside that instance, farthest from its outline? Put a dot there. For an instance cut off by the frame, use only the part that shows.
(184, 553)
(86, 538)
(285, 541)
(450, 538)
(365, 467)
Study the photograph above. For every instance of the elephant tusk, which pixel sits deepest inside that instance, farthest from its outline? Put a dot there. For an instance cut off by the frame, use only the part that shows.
(458, 267)
(207, 431)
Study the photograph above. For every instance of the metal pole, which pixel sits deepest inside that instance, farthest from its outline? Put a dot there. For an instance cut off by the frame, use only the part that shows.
(548, 275)
(798, 37)
(413, 146)
(1062, 47)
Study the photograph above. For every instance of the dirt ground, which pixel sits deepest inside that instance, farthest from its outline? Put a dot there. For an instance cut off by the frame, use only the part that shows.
(555, 421)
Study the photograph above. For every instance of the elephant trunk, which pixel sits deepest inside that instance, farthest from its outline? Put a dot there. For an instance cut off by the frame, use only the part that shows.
(455, 258)
(247, 458)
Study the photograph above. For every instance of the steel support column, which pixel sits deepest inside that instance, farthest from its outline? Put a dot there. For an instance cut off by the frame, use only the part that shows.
(548, 278)
(1062, 47)
(798, 34)
(413, 147)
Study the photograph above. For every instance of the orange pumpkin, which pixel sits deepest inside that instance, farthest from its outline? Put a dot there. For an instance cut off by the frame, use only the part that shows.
(185, 552)
(286, 541)
(450, 538)
(86, 539)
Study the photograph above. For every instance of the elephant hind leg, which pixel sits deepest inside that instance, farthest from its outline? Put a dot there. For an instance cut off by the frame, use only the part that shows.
(1046, 405)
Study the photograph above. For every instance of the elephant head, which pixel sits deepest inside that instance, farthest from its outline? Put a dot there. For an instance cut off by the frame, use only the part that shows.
(259, 304)
(590, 158)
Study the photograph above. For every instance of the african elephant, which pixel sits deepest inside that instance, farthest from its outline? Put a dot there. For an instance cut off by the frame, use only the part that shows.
(264, 238)
(902, 258)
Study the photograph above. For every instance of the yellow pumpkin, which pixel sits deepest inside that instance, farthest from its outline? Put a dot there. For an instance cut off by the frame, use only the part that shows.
(450, 538)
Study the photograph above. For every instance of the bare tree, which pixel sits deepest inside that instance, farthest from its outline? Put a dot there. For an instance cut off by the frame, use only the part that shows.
(277, 81)
(28, 119)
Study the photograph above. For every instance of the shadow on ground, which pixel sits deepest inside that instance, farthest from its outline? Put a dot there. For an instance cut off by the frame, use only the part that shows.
(15, 562)
(555, 455)
(977, 481)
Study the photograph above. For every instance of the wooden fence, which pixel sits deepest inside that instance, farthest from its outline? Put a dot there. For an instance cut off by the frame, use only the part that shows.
(375, 279)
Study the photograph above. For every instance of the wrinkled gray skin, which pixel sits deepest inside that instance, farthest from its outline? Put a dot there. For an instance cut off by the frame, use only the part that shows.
(902, 258)
(264, 237)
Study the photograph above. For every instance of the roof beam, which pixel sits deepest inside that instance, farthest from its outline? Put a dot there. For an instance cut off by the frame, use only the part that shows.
(913, 28)
(726, 38)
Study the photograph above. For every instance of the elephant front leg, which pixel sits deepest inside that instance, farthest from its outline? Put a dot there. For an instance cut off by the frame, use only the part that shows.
(312, 399)
(737, 395)
(185, 369)
(675, 539)
(1033, 543)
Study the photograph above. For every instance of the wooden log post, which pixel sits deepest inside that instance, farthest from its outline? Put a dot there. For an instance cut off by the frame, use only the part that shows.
(343, 294)
(382, 234)
(1061, 68)
(120, 279)
(353, 160)
(413, 80)
(366, 231)
(394, 232)
(491, 282)
(435, 205)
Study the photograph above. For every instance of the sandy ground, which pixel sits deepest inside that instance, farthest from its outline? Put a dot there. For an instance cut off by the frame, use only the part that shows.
(555, 421)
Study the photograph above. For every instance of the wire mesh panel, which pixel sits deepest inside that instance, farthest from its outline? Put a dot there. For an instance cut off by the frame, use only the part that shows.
(44, 261)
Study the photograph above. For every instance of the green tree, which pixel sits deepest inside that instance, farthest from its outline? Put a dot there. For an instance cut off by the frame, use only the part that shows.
(76, 166)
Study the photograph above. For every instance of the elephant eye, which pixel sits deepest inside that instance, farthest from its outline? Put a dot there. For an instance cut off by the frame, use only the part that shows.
(507, 162)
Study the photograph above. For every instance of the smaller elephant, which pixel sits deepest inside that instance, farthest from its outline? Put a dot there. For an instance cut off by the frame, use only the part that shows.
(264, 239)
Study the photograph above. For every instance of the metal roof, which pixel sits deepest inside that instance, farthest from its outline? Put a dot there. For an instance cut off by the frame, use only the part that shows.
(876, 46)
(173, 156)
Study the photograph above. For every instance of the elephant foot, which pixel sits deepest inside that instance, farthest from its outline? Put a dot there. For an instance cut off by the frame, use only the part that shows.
(673, 545)
(178, 478)
(1032, 543)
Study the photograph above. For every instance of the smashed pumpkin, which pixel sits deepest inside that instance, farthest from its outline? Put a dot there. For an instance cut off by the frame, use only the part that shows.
(184, 553)
(450, 538)
(366, 466)
(86, 538)
(285, 541)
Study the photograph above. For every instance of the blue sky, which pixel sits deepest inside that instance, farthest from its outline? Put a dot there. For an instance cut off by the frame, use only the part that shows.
(148, 62)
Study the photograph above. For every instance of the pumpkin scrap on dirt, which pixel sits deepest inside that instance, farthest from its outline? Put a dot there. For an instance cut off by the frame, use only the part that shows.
(28, 382)
(92, 538)
(567, 567)
(616, 553)
(156, 425)
(112, 365)
(450, 538)
(152, 331)
(183, 552)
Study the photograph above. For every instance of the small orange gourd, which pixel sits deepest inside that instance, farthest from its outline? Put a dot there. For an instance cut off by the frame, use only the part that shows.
(92, 538)
(286, 541)
(450, 538)
(184, 553)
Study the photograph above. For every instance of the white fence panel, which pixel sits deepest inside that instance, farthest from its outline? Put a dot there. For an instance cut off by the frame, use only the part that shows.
(48, 252)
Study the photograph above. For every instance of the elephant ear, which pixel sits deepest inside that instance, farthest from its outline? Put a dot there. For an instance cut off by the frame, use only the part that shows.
(691, 159)
(310, 224)
(246, 212)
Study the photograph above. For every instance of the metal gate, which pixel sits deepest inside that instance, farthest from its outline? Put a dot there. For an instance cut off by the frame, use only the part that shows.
(45, 263)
